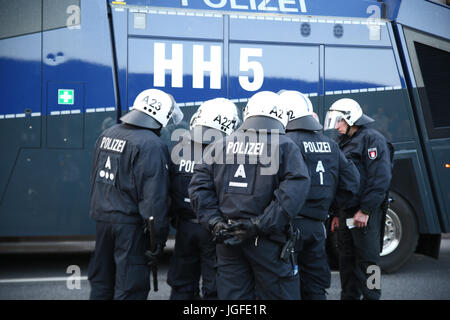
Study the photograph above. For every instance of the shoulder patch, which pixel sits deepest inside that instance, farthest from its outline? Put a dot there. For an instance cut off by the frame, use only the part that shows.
(372, 153)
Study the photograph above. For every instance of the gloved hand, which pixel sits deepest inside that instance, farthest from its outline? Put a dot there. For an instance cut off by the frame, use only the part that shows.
(242, 230)
(154, 256)
(219, 229)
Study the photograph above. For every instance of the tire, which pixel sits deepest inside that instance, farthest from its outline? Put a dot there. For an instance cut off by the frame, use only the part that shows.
(400, 236)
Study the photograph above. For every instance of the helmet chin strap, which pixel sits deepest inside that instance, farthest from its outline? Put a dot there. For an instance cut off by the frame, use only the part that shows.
(348, 130)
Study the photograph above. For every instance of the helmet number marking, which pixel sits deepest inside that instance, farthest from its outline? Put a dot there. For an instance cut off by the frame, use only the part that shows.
(290, 115)
(278, 112)
(224, 121)
(154, 104)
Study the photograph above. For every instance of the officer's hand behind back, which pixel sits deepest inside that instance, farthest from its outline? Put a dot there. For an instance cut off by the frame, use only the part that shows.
(244, 229)
(219, 229)
(334, 224)
(154, 256)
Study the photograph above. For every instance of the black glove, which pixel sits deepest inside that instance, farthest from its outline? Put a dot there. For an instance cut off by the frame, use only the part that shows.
(242, 230)
(154, 256)
(219, 229)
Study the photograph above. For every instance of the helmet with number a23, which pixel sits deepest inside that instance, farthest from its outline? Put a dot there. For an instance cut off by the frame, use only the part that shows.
(152, 109)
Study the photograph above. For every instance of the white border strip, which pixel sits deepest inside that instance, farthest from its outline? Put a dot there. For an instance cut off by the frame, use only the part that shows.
(322, 20)
(53, 279)
(175, 12)
(235, 100)
(327, 93)
(57, 112)
(65, 112)
(279, 16)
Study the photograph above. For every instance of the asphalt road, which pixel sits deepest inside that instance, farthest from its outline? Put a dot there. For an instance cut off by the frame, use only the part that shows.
(50, 277)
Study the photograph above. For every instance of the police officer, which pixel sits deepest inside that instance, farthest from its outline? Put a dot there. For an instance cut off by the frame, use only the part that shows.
(246, 194)
(331, 175)
(195, 252)
(129, 183)
(359, 226)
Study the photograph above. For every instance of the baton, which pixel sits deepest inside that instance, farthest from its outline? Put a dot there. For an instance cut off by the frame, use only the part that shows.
(154, 267)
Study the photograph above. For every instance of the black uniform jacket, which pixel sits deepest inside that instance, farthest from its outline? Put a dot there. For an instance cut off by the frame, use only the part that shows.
(332, 175)
(130, 178)
(251, 174)
(185, 154)
(368, 150)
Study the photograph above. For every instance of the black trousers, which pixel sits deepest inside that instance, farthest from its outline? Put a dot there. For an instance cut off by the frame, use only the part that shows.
(313, 268)
(359, 249)
(253, 270)
(118, 269)
(194, 256)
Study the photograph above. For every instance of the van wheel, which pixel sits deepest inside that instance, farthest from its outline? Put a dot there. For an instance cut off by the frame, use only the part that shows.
(400, 235)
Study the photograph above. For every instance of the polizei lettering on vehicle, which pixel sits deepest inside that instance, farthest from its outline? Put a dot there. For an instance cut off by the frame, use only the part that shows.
(254, 5)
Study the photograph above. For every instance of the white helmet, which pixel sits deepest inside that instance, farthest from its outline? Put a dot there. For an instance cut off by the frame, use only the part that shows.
(153, 109)
(348, 110)
(218, 113)
(268, 104)
(299, 110)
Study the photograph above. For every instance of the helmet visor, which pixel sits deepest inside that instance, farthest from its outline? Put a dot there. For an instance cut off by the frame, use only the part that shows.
(176, 114)
(332, 119)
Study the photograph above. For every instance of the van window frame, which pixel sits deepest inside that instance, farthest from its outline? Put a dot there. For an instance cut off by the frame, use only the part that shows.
(412, 37)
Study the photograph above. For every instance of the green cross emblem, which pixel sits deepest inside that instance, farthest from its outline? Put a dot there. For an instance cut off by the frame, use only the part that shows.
(66, 96)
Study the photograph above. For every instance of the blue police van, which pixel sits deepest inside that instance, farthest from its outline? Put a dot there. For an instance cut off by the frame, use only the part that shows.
(70, 68)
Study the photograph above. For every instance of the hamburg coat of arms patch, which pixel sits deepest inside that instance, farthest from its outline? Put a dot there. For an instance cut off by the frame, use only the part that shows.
(372, 153)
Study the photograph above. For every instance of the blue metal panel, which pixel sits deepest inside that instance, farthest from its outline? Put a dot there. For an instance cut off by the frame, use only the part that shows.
(403, 48)
(441, 151)
(20, 76)
(48, 188)
(391, 7)
(169, 23)
(275, 67)
(53, 105)
(315, 30)
(428, 223)
(372, 75)
(77, 58)
(48, 195)
(346, 8)
(142, 61)
(425, 16)
(360, 68)
(397, 53)
(20, 106)
(82, 55)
